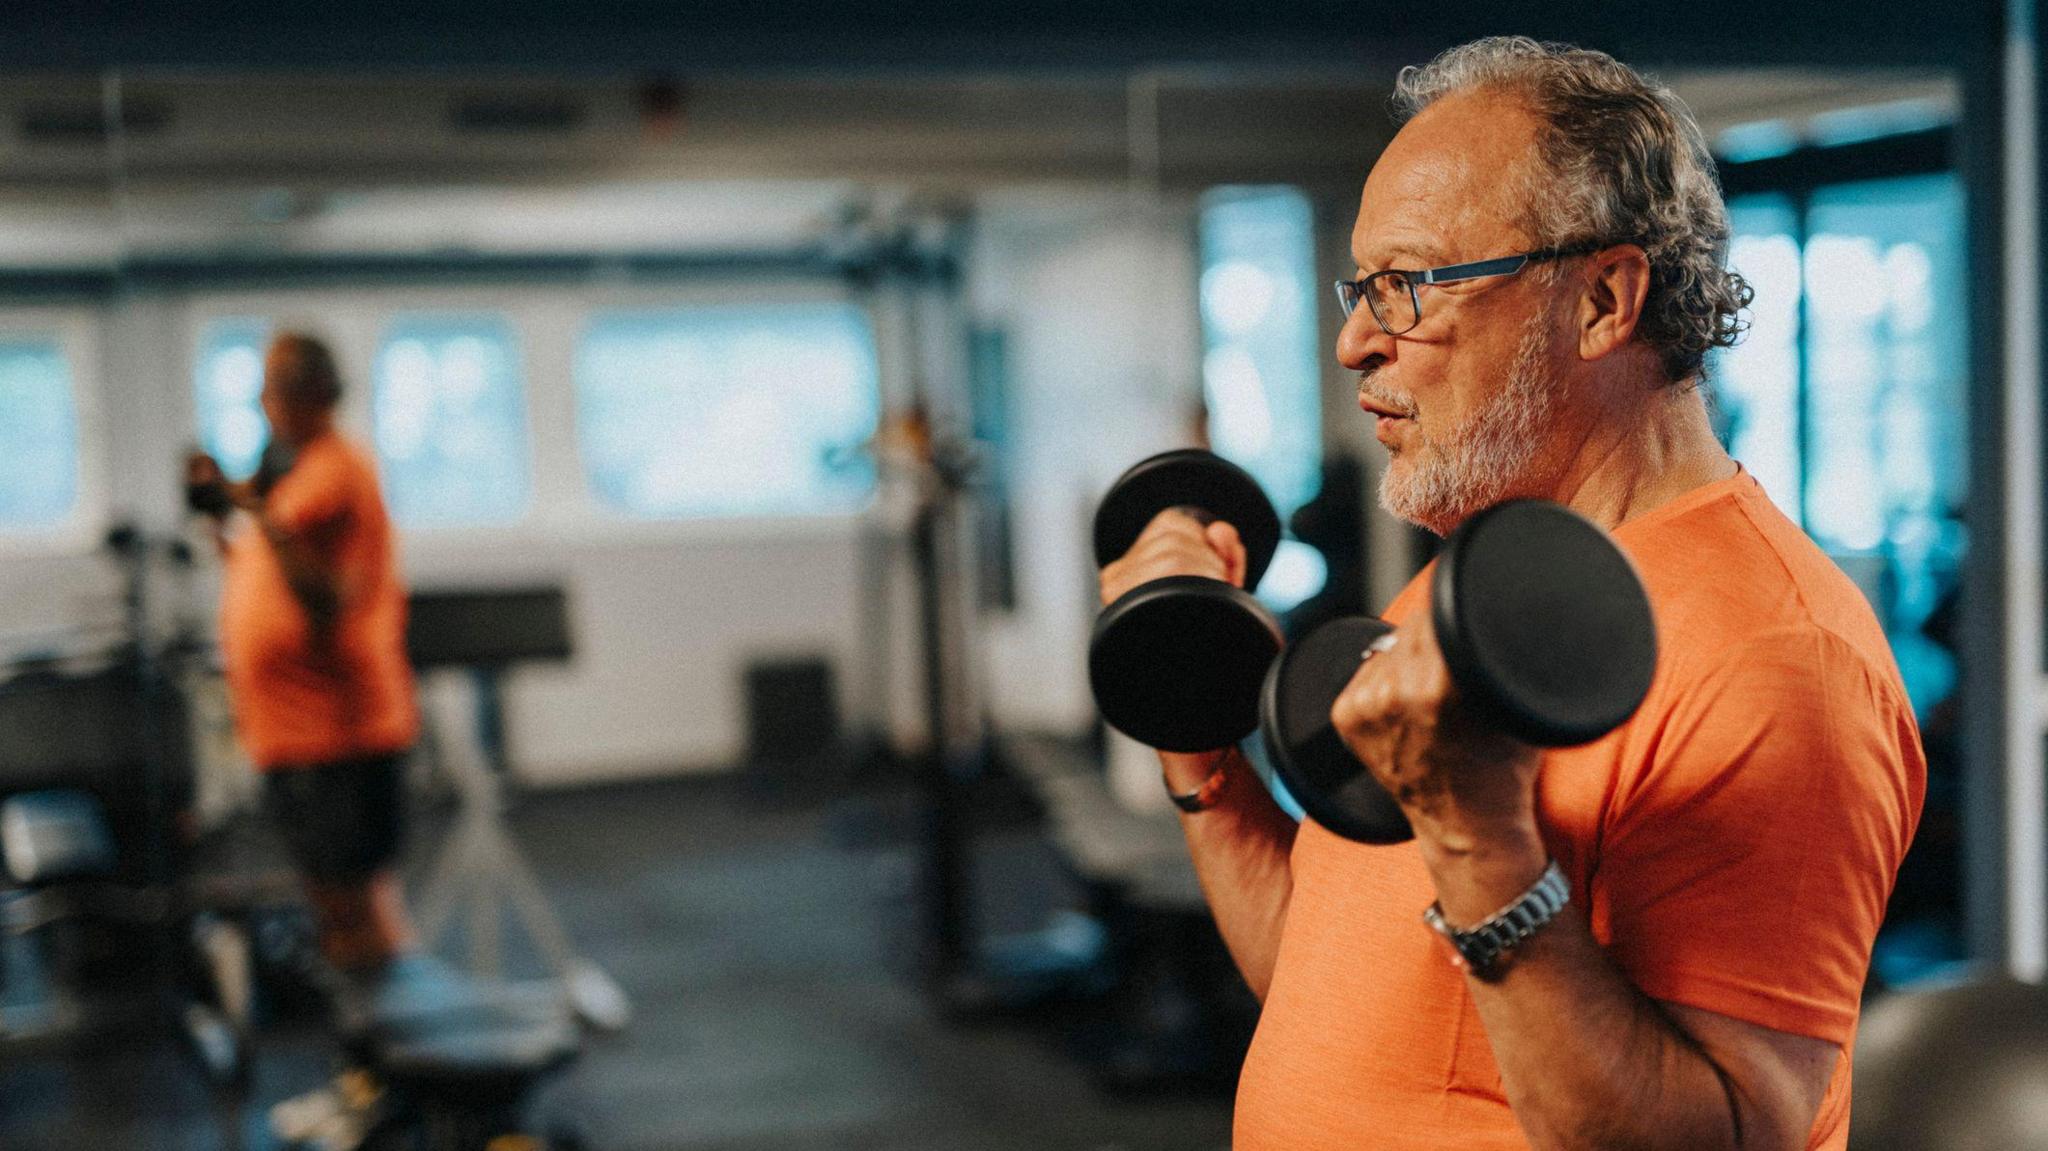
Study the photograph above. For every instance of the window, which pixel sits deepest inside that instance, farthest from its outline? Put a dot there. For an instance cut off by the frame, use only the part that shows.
(1756, 383)
(227, 386)
(1261, 367)
(1847, 399)
(728, 411)
(39, 450)
(449, 417)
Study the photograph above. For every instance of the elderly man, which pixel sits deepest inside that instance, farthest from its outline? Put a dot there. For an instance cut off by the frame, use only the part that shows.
(1540, 260)
(313, 636)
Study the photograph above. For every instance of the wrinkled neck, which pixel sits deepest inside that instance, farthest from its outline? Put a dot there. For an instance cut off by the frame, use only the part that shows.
(1650, 450)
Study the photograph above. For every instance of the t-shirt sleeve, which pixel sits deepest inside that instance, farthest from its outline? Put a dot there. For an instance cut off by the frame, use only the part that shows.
(1411, 598)
(316, 492)
(1746, 866)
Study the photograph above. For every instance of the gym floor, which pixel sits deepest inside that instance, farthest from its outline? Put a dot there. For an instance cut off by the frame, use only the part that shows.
(769, 953)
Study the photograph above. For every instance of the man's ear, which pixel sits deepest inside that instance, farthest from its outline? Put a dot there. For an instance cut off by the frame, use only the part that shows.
(1611, 306)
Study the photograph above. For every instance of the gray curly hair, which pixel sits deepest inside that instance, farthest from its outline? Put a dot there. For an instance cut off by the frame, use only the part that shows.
(1623, 161)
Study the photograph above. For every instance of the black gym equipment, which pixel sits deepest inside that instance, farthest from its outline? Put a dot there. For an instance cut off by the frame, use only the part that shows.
(97, 818)
(1543, 624)
(1956, 1067)
(1546, 631)
(1333, 523)
(487, 632)
(455, 1059)
(1176, 663)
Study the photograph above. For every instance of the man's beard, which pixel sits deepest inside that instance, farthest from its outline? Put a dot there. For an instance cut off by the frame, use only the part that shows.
(1438, 483)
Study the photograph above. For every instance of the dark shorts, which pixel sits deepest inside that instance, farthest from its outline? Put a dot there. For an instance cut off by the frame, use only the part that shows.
(343, 821)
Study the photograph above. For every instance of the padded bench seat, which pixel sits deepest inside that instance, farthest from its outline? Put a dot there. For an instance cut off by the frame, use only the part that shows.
(52, 836)
(1143, 856)
(425, 1025)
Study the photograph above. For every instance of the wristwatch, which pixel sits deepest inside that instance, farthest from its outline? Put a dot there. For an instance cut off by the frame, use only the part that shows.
(1482, 949)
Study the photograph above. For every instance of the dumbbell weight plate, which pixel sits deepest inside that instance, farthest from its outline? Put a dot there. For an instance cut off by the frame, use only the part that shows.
(1176, 663)
(1331, 785)
(1543, 623)
(1189, 477)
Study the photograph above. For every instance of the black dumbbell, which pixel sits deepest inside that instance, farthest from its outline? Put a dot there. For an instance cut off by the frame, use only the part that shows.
(1176, 663)
(1546, 631)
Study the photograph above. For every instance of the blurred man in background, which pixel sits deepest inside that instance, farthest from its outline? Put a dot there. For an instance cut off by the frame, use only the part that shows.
(312, 630)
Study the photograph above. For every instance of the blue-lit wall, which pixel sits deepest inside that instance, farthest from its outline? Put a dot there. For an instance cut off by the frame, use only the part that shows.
(1848, 398)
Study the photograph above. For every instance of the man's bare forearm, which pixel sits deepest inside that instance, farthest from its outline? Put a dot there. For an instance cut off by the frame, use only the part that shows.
(1586, 1059)
(1589, 1062)
(1240, 849)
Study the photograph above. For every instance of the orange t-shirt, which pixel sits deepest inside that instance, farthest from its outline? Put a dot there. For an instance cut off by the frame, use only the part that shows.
(1732, 845)
(294, 706)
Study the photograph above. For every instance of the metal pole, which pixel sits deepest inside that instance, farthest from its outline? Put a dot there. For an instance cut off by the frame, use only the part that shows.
(2026, 862)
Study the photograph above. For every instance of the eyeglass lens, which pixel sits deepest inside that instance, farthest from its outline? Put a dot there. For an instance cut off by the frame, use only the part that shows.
(1392, 300)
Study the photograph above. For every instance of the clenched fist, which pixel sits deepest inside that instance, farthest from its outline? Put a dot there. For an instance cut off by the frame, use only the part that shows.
(1177, 542)
(1458, 780)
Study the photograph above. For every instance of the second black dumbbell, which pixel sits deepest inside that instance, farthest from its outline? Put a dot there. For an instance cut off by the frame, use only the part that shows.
(1544, 627)
(1176, 663)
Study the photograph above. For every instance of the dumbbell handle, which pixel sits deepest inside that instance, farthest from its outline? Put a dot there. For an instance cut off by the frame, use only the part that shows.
(1199, 484)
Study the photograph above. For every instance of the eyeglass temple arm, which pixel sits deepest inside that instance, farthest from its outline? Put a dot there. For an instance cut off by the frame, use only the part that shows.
(1502, 266)
(1497, 267)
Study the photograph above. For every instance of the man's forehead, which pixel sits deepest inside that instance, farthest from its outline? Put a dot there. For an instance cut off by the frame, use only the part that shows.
(1443, 185)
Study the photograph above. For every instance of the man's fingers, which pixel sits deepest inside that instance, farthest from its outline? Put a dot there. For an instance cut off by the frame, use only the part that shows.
(1223, 539)
(1177, 543)
(1173, 522)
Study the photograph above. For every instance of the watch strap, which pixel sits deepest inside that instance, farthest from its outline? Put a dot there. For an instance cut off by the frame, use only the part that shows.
(1204, 796)
(1482, 948)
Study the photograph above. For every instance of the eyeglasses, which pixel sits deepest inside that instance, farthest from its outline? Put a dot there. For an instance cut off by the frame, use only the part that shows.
(1395, 302)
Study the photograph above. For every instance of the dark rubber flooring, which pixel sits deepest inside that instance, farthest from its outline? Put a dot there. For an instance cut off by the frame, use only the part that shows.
(768, 947)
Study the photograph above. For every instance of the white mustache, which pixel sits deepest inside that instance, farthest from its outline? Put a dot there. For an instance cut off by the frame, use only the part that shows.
(1402, 404)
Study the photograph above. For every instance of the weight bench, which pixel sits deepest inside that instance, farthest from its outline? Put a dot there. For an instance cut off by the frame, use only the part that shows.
(55, 844)
(1183, 1015)
(1114, 852)
(454, 1059)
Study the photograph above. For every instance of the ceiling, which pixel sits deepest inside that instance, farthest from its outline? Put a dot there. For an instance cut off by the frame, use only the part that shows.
(699, 37)
(98, 168)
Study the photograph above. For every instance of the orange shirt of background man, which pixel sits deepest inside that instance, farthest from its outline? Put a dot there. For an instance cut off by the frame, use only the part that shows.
(1733, 846)
(296, 705)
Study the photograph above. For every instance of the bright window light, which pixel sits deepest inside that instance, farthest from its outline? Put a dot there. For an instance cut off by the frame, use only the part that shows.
(449, 410)
(729, 411)
(227, 381)
(39, 456)
(1261, 364)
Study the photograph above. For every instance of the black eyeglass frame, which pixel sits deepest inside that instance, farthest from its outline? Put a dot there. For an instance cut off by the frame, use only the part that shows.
(1349, 292)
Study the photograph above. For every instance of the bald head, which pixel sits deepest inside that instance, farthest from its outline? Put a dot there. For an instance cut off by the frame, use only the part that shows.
(300, 387)
(1448, 187)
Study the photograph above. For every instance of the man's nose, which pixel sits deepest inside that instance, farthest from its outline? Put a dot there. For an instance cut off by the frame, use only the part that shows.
(1361, 338)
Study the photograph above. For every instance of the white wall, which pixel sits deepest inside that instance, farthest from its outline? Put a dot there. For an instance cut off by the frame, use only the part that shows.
(1096, 291)
(666, 615)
